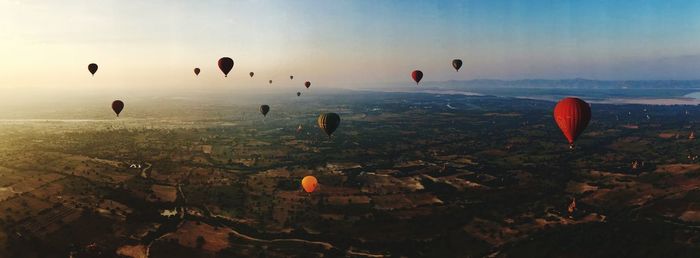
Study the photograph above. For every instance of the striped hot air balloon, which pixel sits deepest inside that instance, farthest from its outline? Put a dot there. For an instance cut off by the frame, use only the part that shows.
(328, 122)
(572, 116)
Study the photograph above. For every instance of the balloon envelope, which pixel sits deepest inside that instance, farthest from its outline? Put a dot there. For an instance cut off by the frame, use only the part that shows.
(457, 63)
(270, 81)
(291, 77)
(92, 68)
(572, 116)
(328, 122)
(225, 64)
(117, 106)
(309, 183)
(251, 74)
(264, 109)
(307, 84)
(417, 75)
(298, 94)
(196, 71)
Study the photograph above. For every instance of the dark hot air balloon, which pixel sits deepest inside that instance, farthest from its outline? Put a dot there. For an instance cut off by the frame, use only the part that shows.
(307, 84)
(251, 74)
(196, 71)
(270, 81)
(328, 122)
(298, 93)
(92, 68)
(417, 75)
(264, 109)
(291, 77)
(309, 183)
(457, 63)
(572, 116)
(117, 106)
(225, 64)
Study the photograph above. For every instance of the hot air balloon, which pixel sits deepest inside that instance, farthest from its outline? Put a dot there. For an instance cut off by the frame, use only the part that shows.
(196, 71)
(309, 183)
(457, 63)
(328, 122)
(307, 84)
(291, 77)
(299, 128)
(117, 106)
(251, 74)
(572, 206)
(417, 75)
(298, 93)
(270, 81)
(225, 64)
(572, 116)
(92, 68)
(264, 109)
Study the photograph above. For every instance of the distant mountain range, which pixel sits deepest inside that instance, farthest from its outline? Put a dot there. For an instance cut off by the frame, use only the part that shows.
(567, 84)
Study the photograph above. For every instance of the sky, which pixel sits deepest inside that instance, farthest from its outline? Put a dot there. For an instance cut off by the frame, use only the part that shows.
(45, 46)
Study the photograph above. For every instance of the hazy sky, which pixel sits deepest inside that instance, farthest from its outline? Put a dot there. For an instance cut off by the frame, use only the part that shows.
(156, 44)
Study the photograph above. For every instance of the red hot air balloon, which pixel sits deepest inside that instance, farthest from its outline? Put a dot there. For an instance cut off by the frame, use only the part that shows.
(572, 116)
(117, 106)
(417, 75)
(225, 64)
(92, 68)
(307, 84)
(196, 71)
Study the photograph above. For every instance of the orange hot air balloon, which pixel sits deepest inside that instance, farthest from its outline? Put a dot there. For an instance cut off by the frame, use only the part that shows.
(309, 183)
(92, 68)
(572, 116)
(307, 84)
(196, 71)
(417, 75)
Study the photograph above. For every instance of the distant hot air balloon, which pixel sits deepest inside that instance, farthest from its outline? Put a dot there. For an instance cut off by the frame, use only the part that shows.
(264, 109)
(298, 93)
(92, 68)
(457, 63)
(299, 128)
(309, 183)
(328, 122)
(117, 106)
(196, 71)
(417, 75)
(251, 74)
(307, 84)
(572, 206)
(225, 64)
(291, 77)
(572, 116)
(270, 81)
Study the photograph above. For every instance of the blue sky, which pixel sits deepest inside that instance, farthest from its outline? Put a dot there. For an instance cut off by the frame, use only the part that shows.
(157, 43)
